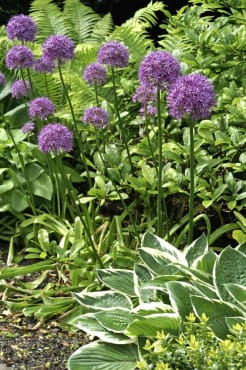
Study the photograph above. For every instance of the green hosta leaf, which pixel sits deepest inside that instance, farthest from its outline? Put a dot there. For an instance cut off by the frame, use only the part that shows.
(229, 268)
(18, 201)
(238, 292)
(90, 325)
(158, 261)
(118, 279)
(145, 309)
(103, 356)
(216, 311)
(114, 320)
(33, 171)
(153, 241)
(206, 263)
(159, 282)
(193, 274)
(104, 300)
(42, 186)
(231, 321)
(142, 274)
(179, 295)
(196, 250)
(149, 325)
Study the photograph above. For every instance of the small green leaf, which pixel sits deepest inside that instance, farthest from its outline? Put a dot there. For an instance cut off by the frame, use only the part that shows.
(42, 186)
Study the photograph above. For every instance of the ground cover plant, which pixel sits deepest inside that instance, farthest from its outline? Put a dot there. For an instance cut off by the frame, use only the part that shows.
(107, 141)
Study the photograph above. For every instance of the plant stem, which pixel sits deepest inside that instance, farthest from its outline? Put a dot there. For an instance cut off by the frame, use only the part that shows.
(120, 122)
(192, 184)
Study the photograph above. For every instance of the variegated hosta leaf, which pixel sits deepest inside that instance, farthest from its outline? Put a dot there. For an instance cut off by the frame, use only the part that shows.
(118, 279)
(104, 300)
(196, 250)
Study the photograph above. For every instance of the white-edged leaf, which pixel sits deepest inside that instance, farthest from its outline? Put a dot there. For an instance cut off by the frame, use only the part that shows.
(206, 262)
(238, 292)
(104, 300)
(118, 279)
(157, 261)
(150, 308)
(104, 356)
(114, 320)
(196, 250)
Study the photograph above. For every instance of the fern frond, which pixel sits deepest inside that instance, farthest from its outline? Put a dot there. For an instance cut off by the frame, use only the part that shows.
(80, 20)
(102, 29)
(49, 19)
(147, 16)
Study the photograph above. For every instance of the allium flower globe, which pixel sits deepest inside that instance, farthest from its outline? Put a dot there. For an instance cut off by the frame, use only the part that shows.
(58, 47)
(21, 27)
(19, 56)
(28, 127)
(96, 116)
(41, 108)
(147, 96)
(113, 54)
(44, 65)
(20, 88)
(191, 95)
(95, 74)
(158, 69)
(2, 79)
(55, 138)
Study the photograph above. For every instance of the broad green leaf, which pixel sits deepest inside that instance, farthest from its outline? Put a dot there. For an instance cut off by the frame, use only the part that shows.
(18, 200)
(104, 356)
(145, 309)
(114, 320)
(238, 292)
(104, 300)
(142, 274)
(216, 311)
(231, 321)
(42, 186)
(118, 279)
(6, 186)
(196, 250)
(33, 171)
(179, 295)
(149, 325)
(157, 261)
(159, 282)
(206, 263)
(91, 326)
(155, 242)
(229, 268)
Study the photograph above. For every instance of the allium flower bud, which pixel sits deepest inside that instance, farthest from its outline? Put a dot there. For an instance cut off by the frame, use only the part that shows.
(28, 127)
(192, 95)
(20, 88)
(21, 27)
(58, 47)
(19, 56)
(41, 108)
(44, 65)
(114, 54)
(55, 138)
(158, 69)
(2, 79)
(95, 74)
(97, 117)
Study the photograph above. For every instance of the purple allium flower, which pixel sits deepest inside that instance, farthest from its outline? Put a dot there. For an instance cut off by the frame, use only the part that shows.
(41, 108)
(144, 94)
(28, 127)
(55, 138)
(19, 56)
(193, 95)
(97, 117)
(20, 88)
(44, 65)
(95, 74)
(2, 79)
(158, 69)
(149, 109)
(58, 47)
(21, 27)
(114, 54)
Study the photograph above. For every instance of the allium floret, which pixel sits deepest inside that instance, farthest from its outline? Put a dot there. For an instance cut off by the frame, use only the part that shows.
(20, 88)
(158, 69)
(21, 27)
(95, 74)
(58, 47)
(147, 96)
(44, 65)
(41, 107)
(113, 54)
(191, 95)
(55, 138)
(2, 79)
(96, 116)
(28, 127)
(19, 56)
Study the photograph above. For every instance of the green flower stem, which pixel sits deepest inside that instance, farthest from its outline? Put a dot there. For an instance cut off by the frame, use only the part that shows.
(161, 202)
(75, 125)
(29, 195)
(120, 122)
(192, 184)
(74, 199)
(96, 95)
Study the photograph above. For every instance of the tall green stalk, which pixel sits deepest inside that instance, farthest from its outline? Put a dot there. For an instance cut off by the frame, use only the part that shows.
(192, 184)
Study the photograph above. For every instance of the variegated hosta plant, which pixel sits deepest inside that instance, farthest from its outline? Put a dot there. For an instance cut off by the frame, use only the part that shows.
(165, 285)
